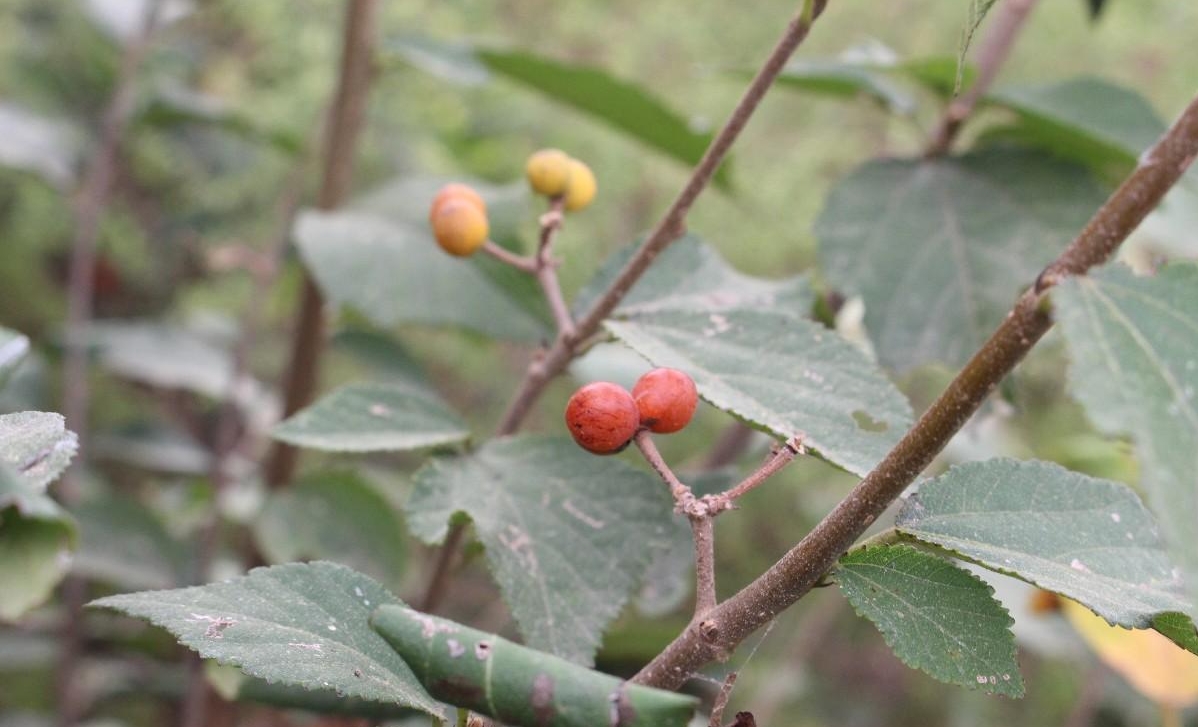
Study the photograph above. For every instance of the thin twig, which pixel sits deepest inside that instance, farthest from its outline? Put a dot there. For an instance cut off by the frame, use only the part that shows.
(502, 254)
(992, 53)
(346, 117)
(551, 222)
(785, 454)
(804, 565)
(90, 202)
(438, 583)
(671, 226)
(703, 532)
(721, 701)
(680, 492)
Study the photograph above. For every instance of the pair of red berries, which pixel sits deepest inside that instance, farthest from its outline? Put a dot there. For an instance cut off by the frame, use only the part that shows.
(603, 417)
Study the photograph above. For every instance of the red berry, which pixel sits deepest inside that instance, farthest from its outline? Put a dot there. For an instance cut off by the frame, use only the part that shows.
(666, 400)
(602, 417)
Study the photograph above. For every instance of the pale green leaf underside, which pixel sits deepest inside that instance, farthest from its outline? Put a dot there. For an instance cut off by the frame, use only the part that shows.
(1133, 345)
(782, 373)
(36, 537)
(567, 534)
(936, 617)
(371, 417)
(692, 276)
(1089, 539)
(36, 445)
(13, 349)
(300, 624)
(334, 516)
(392, 272)
(939, 249)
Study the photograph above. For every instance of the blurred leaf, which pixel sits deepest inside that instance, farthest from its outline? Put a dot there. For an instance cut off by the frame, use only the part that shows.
(568, 534)
(939, 249)
(382, 356)
(1133, 343)
(173, 106)
(125, 20)
(335, 516)
(936, 617)
(1154, 665)
(372, 417)
(13, 349)
(125, 544)
(1087, 120)
(691, 276)
(1085, 538)
(43, 146)
(36, 538)
(170, 356)
(1096, 7)
(937, 74)
(781, 373)
(518, 685)
(395, 273)
(36, 445)
(671, 574)
(153, 446)
(300, 624)
(849, 80)
(625, 106)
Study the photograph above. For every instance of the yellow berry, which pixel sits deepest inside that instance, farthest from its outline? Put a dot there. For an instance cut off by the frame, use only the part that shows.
(460, 227)
(455, 191)
(548, 171)
(580, 189)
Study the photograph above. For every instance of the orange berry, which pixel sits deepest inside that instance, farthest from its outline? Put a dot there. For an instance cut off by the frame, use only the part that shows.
(602, 417)
(548, 172)
(460, 227)
(452, 191)
(665, 399)
(580, 187)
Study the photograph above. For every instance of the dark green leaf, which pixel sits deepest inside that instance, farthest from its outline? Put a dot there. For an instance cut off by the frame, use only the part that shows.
(36, 538)
(691, 276)
(521, 686)
(1134, 349)
(624, 105)
(779, 372)
(333, 516)
(36, 445)
(300, 624)
(1089, 539)
(126, 544)
(372, 417)
(846, 79)
(394, 273)
(936, 617)
(567, 534)
(939, 249)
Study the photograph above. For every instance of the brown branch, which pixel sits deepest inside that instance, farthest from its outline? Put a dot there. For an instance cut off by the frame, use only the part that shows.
(671, 226)
(800, 569)
(89, 204)
(438, 583)
(703, 532)
(346, 117)
(992, 53)
(503, 255)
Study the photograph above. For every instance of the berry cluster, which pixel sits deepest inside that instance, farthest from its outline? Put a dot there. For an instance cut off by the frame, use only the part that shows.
(604, 417)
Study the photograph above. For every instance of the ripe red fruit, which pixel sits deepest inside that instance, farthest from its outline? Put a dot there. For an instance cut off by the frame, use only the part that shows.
(602, 417)
(666, 400)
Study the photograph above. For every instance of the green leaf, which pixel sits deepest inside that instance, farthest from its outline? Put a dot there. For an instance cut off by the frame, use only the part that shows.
(234, 685)
(171, 356)
(383, 358)
(567, 534)
(1134, 348)
(781, 373)
(154, 446)
(1087, 120)
(13, 349)
(392, 273)
(848, 80)
(1089, 539)
(335, 516)
(691, 276)
(938, 74)
(36, 445)
(623, 105)
(36, 538)
(939, 249)
(937, 618)
(517, 685)
(126, 544)
(373, 417)
(299, 624)
(173, 106)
